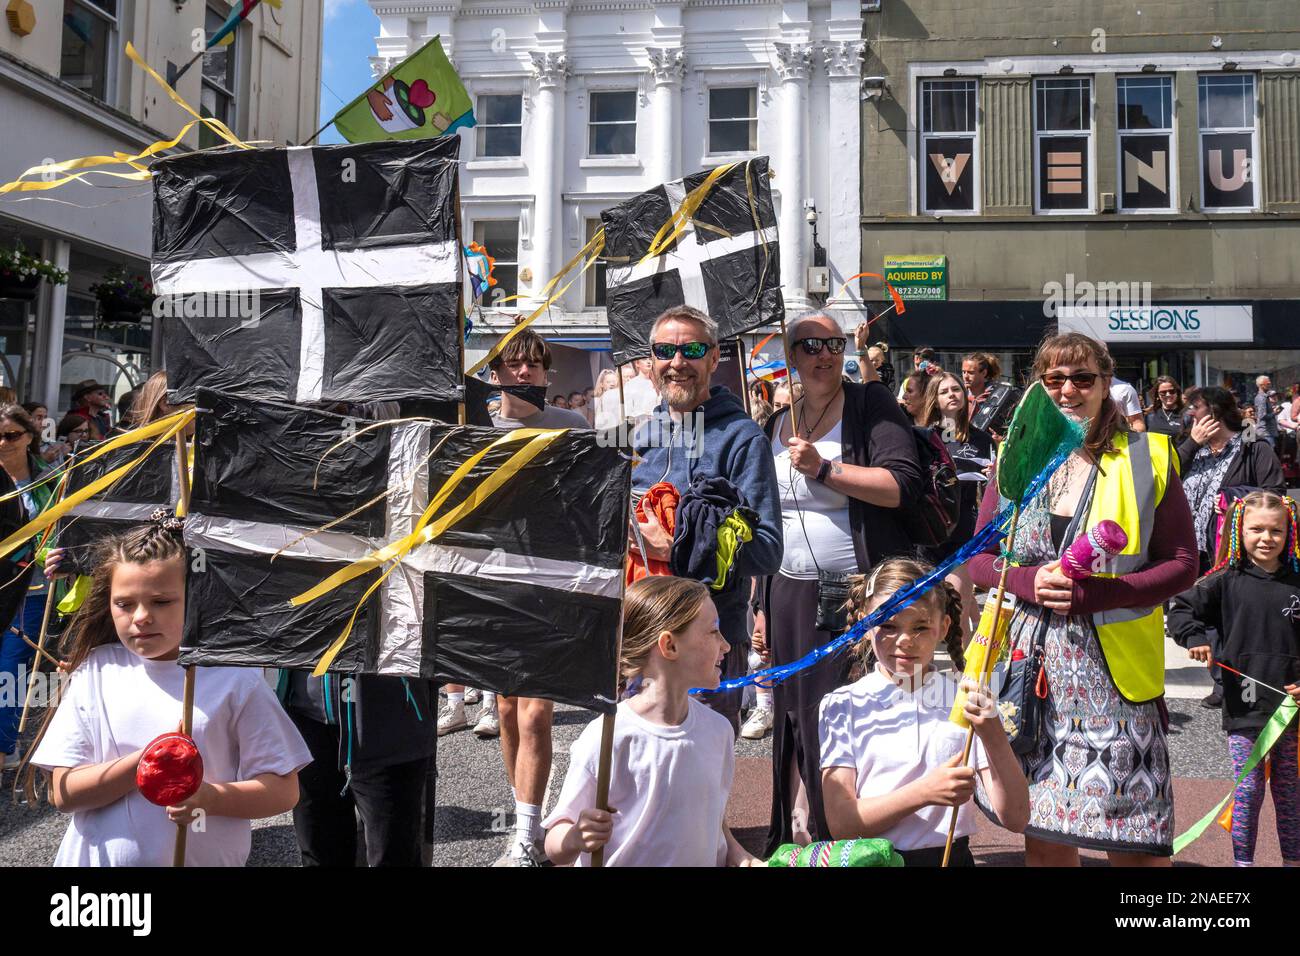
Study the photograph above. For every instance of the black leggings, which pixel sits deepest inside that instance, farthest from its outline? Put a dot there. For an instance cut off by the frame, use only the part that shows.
(791, 614)
(389, 800)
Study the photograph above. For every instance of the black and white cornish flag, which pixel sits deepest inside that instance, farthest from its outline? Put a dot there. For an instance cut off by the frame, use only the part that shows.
(521, 596)
(305, 274)
(126, 503)
(726, 263)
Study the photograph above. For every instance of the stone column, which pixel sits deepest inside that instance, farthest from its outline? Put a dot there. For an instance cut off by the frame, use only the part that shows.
(793, 65)
(546, 132)
(841, 220)
(51, 312)
(663, 158)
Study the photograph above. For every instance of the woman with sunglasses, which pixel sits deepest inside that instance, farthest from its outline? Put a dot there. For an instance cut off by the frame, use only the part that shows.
(22, 585)
(1167, 413)
(838, 517)
(1098, 765)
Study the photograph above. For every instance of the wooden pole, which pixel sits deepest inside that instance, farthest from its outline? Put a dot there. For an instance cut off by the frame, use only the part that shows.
(744, 374)
(605, 766)
(40, 650)
(460, 296)
(986, 670)
(187, 701)
(789, 378)
(45, 625)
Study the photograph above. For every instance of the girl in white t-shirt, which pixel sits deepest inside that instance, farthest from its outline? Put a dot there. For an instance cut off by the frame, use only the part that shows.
(672, 758)
(124, 689)
(890, 757)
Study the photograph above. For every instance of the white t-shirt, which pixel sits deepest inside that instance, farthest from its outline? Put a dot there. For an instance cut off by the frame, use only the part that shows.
(607, 410)
(669, 785)
(1126, 397)
(892, 738)
(814, 517)
(639, 398)
(116, 703)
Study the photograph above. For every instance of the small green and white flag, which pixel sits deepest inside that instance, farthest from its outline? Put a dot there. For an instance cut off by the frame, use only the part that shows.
(421, 96)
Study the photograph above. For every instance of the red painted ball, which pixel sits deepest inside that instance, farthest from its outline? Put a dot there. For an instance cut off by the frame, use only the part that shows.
(170, 770)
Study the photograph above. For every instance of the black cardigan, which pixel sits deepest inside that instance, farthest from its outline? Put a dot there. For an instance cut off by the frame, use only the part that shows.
(876, 433)
(1255, 466)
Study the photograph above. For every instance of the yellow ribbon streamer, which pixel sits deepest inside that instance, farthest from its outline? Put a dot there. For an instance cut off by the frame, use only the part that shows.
(53, 514)
(684, 213)
(103, 448)
(89, 163)
(593, 248)
(214, 124)
(426, 529)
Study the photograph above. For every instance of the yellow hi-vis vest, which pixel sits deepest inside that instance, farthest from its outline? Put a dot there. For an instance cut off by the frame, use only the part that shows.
(1130, 485)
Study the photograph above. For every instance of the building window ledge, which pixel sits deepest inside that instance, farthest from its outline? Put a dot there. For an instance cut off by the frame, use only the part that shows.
(717, 159)
(484, 164)
(609, 162)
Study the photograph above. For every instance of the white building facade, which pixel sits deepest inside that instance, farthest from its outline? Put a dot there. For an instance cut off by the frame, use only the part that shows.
(583, 103)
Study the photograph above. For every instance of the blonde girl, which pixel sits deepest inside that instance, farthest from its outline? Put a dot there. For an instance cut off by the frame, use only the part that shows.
(673, 757)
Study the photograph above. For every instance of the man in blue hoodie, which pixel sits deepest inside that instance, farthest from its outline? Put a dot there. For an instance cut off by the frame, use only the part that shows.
(696, 431)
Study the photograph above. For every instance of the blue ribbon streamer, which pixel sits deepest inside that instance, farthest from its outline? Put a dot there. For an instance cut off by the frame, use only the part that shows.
(994, 531)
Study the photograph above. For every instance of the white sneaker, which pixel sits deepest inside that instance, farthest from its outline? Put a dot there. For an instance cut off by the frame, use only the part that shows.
(489, 725)
(473, 695)
(452, 719)
(759, 724)
(523, 854)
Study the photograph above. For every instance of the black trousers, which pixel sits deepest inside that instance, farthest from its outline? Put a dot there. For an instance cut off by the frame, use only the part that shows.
(1206, 562)
(933, 855)
(791, 616)
(389, 799)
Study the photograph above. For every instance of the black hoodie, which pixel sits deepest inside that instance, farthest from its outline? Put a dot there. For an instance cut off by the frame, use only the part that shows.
(1257, 615)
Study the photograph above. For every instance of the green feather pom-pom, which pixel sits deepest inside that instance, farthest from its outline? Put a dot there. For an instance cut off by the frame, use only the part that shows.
(837, 853)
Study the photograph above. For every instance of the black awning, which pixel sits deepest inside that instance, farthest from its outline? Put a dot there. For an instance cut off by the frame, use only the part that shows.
(956, 325)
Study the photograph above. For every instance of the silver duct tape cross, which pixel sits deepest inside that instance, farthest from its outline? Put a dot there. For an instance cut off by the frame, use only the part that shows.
(311, 269)
(402, 593)
(688, 255)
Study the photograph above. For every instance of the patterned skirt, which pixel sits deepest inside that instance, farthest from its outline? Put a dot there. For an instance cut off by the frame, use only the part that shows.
(1099, 777)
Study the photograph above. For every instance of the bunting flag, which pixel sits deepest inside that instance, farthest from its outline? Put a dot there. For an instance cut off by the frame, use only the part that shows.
(1268, 736)
(518, 592)
(708, 240)
(311, 274)
(238, 15)
(419, 98)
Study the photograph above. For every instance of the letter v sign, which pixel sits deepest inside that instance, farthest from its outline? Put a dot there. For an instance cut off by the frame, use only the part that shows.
(950, 170)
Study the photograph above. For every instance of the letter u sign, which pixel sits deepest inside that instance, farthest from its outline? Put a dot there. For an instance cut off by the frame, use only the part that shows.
(1240, 170)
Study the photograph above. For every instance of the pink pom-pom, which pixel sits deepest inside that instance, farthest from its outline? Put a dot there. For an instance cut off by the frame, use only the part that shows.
(1084, 556)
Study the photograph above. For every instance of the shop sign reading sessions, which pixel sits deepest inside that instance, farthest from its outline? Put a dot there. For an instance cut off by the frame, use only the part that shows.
(1161, 323)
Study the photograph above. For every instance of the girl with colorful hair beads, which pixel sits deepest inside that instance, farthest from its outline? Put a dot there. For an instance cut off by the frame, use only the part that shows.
(1252, 598)
(673, 757)
(890, 757)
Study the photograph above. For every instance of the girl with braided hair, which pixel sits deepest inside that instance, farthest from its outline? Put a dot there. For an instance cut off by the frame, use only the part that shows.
(122, 687)
(890, 758)
(1252, 598)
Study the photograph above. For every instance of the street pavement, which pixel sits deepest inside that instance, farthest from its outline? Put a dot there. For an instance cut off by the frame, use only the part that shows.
(474, 803)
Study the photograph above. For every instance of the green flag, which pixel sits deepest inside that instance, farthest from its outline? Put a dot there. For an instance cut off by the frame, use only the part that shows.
(421, 96)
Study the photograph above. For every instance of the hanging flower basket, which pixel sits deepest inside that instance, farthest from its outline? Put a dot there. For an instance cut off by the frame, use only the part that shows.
(123, 297)
(21, 274)
(24, 289)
